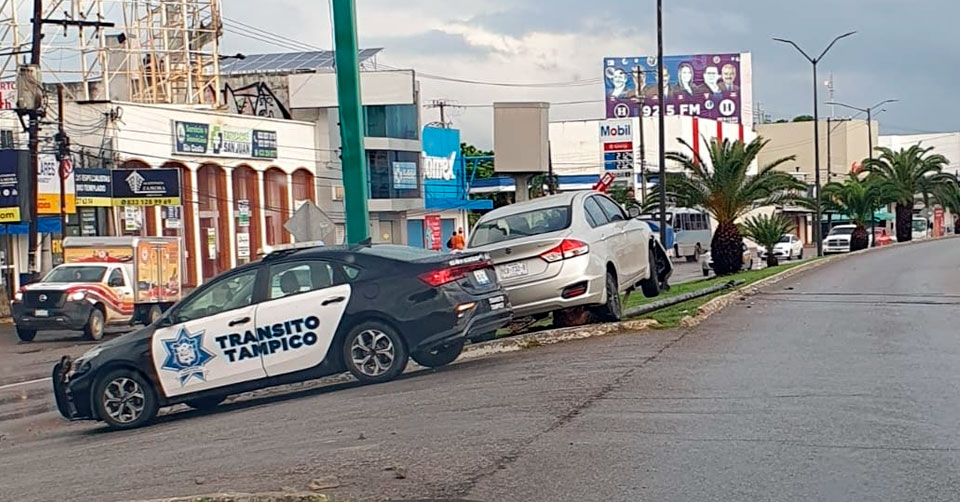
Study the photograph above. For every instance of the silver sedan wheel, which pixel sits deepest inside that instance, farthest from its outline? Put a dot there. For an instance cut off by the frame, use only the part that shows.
(372, 352)
(123, 400)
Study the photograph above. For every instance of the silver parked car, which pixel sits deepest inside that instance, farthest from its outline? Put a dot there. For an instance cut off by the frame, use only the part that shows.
(571, 254)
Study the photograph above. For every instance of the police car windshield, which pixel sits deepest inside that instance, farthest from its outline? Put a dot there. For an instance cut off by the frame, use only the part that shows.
(76, 274)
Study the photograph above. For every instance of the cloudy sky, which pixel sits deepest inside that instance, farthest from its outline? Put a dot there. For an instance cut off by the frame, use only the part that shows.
(905, 50)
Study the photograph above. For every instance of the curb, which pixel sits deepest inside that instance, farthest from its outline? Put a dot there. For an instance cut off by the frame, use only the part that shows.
(717, 304)
(249, 497)
(552, 336)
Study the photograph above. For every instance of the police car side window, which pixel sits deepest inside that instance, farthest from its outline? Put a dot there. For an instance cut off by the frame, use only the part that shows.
(226, 294)
(288, 279)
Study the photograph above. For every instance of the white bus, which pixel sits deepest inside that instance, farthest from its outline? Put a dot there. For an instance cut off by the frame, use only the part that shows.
(692, 230)
(920, 228)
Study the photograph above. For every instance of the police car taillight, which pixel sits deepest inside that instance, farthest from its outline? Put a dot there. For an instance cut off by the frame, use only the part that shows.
(447, 275)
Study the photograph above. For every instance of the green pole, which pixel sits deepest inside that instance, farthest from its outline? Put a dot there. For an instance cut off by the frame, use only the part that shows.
(355, 190)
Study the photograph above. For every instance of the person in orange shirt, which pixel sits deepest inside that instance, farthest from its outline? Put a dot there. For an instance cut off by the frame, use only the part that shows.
(458, 241)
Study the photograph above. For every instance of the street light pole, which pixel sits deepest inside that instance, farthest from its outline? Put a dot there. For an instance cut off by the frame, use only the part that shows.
(869, 112)
(661, 154)
(816, 132)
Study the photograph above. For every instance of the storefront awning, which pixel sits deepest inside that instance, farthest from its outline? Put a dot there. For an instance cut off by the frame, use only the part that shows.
(45, 225)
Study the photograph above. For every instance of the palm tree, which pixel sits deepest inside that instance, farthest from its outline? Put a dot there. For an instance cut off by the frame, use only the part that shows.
(858, 200)
(767, 230)
(727, 192)
(905, 175)
(948, 196)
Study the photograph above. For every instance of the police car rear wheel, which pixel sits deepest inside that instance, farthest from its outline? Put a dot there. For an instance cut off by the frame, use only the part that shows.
(439, 357)
(125, 399)
(374, 353)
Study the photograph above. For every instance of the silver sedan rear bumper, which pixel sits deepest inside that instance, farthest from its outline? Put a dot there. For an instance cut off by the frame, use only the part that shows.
(541, 296)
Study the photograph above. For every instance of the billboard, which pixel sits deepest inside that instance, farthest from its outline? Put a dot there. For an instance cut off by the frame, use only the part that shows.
(146, 187)
(221, 140)
(444, 182)
(711, 86)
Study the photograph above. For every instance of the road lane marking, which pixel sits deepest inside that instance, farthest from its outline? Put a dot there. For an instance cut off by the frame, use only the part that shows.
(20, 384)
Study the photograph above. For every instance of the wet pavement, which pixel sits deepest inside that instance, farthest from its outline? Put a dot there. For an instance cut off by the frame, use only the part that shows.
(838, 384)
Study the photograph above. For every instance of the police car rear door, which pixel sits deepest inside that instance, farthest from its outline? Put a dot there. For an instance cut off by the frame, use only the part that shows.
(296, 323)
(202, 346)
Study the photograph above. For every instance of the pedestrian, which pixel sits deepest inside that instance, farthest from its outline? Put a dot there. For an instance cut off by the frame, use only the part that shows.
(458, 240)
(450, 241)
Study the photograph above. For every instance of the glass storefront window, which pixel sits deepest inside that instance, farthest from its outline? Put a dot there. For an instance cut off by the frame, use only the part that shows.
(391, 121)
(384, 184)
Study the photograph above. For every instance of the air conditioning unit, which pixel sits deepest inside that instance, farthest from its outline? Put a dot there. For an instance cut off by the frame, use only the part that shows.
(337, 192)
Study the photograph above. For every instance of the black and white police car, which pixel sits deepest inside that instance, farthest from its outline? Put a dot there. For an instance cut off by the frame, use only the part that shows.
(298, 314)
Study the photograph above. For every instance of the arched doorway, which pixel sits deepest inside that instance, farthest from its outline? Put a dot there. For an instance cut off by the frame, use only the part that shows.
(213, 211)
(276, 207)
(246, 193)
(303, 186)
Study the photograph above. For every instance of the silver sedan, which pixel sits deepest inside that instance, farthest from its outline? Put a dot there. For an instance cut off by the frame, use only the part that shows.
(570, 254)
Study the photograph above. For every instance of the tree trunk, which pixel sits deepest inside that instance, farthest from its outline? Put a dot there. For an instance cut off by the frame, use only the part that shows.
(904, 223)
(772, 261)
(727, 249)
(956, 225)
(859, 239)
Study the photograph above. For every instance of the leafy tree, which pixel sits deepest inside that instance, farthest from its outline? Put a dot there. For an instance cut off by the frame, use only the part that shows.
(782, 121)
(948, 196)
(856, 198)
(903, 177)
(767, 230)
(803, 118)
(484, 167)
(727, 192)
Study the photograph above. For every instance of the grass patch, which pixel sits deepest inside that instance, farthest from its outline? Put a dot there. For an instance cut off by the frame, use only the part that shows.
(670, 317)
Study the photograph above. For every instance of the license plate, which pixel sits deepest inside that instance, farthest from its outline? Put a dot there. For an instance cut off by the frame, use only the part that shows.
(481, 277)
(497, 303)
(512, 270)
(41, 313)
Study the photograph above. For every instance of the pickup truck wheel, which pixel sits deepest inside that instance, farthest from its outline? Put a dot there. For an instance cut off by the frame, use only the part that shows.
(94, 328)
(651, 285)
(439, 357)
(124, 399)
(26, 335)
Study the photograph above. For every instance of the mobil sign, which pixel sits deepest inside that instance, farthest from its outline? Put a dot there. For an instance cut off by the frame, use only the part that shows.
(616, 130)
(616, 145)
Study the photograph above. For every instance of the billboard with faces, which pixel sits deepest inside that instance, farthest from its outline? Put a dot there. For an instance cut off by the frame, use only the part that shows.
(711, 86)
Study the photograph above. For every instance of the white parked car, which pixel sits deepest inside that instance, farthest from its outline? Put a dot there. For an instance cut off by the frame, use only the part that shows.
(838, 240)
(789, 247)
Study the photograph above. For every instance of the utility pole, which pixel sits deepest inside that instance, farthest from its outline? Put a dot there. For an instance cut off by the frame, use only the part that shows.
(33, 238)
(643, 163)
(442, 105)
(63, 160)
(355, 189)
(662, 155)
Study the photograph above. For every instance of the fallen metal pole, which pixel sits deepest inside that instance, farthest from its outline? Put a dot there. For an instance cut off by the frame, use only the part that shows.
(673, 300)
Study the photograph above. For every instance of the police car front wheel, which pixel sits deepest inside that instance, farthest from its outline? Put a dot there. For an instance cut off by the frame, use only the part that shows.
(125, 399)
(374, 352)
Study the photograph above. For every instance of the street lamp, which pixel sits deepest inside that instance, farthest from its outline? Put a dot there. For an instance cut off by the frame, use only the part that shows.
(816, 132)
(869, 112)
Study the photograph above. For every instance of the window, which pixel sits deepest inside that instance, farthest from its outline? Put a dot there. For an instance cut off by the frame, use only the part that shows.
(613, 211)
(595, 215)
(515, 226)
(76, 274)
(288, 279)
(382, 181)
(6, 139)
(116, 279)
(223, 295)
(391, 121)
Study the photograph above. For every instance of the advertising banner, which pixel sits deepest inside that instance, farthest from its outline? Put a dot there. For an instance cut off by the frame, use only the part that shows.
(444, 182)
(146, 187)
(104, 254)
(9, 190)
(434, 231)
(48, 185)
(405, 175)
(222, 140)
(94, 187)
(243, 213)
(243, 246)
(711, 86)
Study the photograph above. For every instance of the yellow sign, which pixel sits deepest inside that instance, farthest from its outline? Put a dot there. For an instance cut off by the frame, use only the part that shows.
(48, 187)
(57, 246)
(158, 201)
(98, 255)
(9, 214)
(49, 203)
(94, 202)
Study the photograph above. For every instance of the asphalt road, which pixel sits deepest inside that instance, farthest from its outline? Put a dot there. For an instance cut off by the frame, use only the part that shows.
(840, 384)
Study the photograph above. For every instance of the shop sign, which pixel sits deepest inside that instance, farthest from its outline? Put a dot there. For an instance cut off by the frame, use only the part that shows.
(9, 190)
(172, 217)
(211, 243)
(405, 175)
(94, 187)
(146, 187)
(222, 140)
(132, 219)
(434, 227)
(48, 185)
(243, 246)
(243, 213)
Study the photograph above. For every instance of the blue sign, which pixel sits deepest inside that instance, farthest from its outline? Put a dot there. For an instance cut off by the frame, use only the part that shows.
(405, 175)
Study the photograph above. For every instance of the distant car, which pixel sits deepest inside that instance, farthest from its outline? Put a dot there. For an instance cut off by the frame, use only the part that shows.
(749, 251)
(789, 247)
(570, 252)
(298, 314)
(838, 240)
